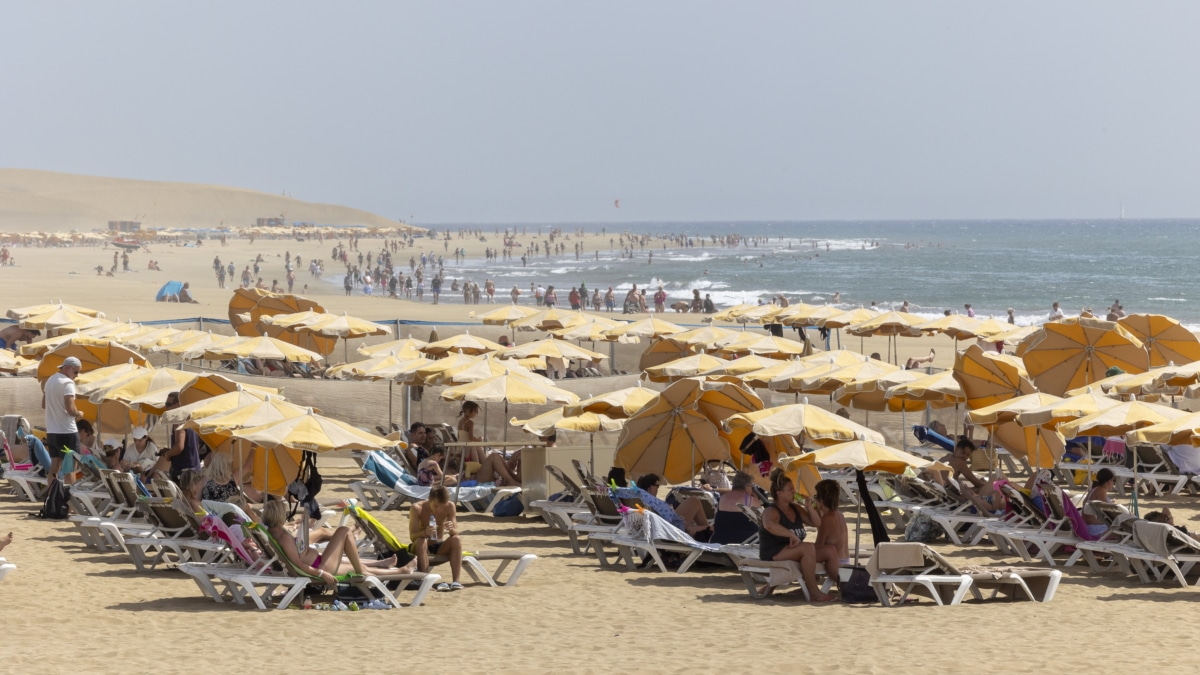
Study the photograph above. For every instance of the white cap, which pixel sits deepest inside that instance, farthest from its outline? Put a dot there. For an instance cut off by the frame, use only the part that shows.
(71, 361)
(139, 433)
(111, 443)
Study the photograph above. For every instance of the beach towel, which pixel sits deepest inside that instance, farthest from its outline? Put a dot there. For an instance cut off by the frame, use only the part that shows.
(927, 435)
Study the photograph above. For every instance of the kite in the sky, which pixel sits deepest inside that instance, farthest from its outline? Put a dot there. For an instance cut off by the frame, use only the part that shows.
(617, 203)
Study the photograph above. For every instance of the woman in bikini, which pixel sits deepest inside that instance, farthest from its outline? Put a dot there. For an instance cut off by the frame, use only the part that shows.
(340, 556)
(781, 536)
(1105, 480)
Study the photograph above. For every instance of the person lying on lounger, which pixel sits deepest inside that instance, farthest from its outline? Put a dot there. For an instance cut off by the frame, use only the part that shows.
(339, 557)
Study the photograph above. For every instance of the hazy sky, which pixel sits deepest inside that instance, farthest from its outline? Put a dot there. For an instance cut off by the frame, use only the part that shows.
(683, 110)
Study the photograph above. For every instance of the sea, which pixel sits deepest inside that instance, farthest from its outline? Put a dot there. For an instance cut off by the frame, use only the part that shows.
(934, 265)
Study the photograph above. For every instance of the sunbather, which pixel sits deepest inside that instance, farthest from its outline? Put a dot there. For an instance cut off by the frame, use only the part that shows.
(468, 433)
(982, 494)
(688, 516)
(1165, 516)
(832, 544)
(781, 536)
(731, 526)
(917, 362)
(430, 471)
(494, 469)
(339, 557)
(1099, 493)
(433, 528)
(192, 483)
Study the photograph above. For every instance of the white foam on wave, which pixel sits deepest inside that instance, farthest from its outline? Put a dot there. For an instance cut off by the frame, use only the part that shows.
(687, 257)
(1169, 299)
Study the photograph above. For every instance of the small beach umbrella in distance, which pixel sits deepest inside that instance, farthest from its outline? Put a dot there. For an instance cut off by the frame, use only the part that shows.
(261, 347)
(987, 378)
(1067, 355)
(405, 348)
(463, 343)
(651, 327)
(1165, 339)
(20, 313)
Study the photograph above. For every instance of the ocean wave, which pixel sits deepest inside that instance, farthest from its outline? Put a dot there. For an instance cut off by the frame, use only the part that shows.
(1169, 299)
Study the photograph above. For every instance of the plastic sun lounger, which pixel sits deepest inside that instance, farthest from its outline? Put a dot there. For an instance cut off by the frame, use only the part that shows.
(914, 567)
(6, 568)
(385, 489)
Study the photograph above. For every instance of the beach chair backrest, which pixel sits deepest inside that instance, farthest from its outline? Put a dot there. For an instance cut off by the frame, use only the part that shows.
(569, 486)
(126, 488)
(601, 504)
(267, 544)
(382, 540)
(169, 517)
(1150, 459)
(166, 489)
(755, 515)
(585, 474)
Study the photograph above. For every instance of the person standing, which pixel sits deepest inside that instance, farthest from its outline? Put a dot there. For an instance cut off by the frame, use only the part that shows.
(183, 451)
(58, 399)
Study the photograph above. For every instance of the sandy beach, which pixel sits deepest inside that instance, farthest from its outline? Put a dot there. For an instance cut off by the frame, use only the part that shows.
(71, 608)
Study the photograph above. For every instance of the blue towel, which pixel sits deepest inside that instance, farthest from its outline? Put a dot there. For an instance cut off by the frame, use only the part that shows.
(927, 435)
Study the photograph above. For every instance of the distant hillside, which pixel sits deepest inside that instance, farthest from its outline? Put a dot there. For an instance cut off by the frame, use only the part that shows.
(44, 200)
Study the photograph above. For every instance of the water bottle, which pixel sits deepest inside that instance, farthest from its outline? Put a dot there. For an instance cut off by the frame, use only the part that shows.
(433, 525)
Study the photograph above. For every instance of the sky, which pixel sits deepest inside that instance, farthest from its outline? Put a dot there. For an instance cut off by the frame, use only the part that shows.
(494, 112)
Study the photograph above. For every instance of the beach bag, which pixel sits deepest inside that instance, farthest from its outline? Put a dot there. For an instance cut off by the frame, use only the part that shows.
(922, 528)
(508, 507)
(54, 506)
(857, 589)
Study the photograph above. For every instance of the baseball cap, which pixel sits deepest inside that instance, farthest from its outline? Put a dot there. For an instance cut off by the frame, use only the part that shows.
(71, 361)
(139, 432)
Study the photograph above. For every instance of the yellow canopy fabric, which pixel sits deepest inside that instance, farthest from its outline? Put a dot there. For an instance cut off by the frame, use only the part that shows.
(21, 313)
(744, 365)
(464, 343)
(550, 348)
(338, 325)
(1007, 411)
(670, 436)
(941, 390)
(502, 316)
(688, 366)
(1120, 419)
(818, 425)
(809, 315)
(482, 369)
(863, 456)
(550, 319)
(312, 433)
(1183, 430)
(217, 426)
(1055, 413)
(829, 382)
(60, 316)
(1064, 356)
(383, 366)
(762, 345)
(548, 422)
(151, 338)
(313, 342)
(662, 351)
(760, 314)
(159, 379)
(732, 313)
(93, 353)
(192, 344)
(1166, 341)
(509, 388)
(406, 348)
(11, 363)
(1042, 447)
(870, 393)
(248, 305)
(223, 403)
(987, 378)
(215, 384)
(844, 319)
(615, 404)
(261, 347)
(888, 323)
(831, 360)
(652, 327)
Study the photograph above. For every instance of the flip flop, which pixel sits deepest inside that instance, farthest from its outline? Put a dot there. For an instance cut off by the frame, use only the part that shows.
(442, 587)
(455, 586)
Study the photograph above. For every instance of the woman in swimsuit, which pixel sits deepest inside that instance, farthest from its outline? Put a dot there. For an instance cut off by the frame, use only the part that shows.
(731, 526)
(467, 433)
(782, 532)
(339, 557)
(833, 546)
(1105, 480)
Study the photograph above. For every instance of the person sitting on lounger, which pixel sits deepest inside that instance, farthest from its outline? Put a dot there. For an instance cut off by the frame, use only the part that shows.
(688, 516)
(831, 542)
(191, 483)
(781, 536)
(1105, 480)
(731, 526)
(430, 471)
(339, 557)
(982, 494)
(433, 528)
(494, 469)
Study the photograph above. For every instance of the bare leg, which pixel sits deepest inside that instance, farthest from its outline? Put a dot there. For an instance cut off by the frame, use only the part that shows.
(452, 547)
(806, 555)
(493, 467)
(422, 547)
(341, 544)
(692, 512)
(5, 541)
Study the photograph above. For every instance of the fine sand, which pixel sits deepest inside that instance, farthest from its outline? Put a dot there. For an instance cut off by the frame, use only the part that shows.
(70, 608)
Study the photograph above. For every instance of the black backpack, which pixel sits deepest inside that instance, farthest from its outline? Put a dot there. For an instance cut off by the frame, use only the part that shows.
(54, 507)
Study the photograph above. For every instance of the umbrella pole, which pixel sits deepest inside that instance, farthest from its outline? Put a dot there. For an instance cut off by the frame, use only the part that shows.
(857, 526)
(389, 406)
(903, 431)
(505, 422)
(592, 452)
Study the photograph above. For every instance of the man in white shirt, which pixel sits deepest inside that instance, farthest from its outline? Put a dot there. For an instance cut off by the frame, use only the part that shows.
(58, 399)
(1056, 314)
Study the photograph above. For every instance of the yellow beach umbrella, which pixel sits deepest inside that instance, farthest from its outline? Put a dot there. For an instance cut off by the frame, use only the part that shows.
(670, 436)
(1120, 419)
(1170, 376)
(151, 338)
(215, 420)
(60, 317)
(192, 344)
(829, 382)
(313, 342)
(760, 314)
(704, 338)
(502, 316)
(21, 313)
(1007, 411)
(209, 385)
(688, 366)
(1055, 413)
(36, 349)
(817, 424)
(939, 389)
(744, 365)
(870, 393)
(1166, 341)
(550, 319)
(310, 432)
(651, 327)
(832, 360)
(1141, 385)
(11, 363)
(845, 318)
(811, 315)
(87, 323)
(732, 313)
(482, 369)
(1064, 356)
(762, 345)
(140, 384)
(215, 405)
(1183, 430)
(383, 366)
(464, 343)
(595, 331)
(987, 378)
(248, 305)
(261, 347)
(406, 348)
(621, 403)
(662, 351)
(888, 323)
(509, 387)
(550, 349)
(93, 353)
(792, 311)
(1041, 447)
(863, 456)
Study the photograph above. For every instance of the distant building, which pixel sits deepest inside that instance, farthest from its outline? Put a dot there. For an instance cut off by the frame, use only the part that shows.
(124, 226)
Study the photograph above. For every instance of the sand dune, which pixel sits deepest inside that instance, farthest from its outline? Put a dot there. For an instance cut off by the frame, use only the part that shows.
(45, 200)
